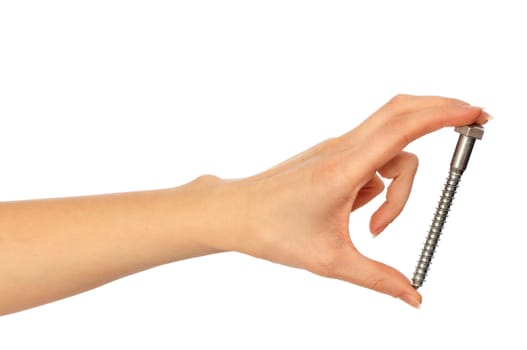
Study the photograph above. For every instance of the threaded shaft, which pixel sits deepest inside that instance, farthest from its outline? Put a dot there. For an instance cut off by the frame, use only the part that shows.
(436, 228)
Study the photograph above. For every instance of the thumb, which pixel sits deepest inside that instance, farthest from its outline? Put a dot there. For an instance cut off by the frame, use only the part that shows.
(363, 271)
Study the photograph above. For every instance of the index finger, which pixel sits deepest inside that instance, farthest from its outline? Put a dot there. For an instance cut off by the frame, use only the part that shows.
(388, 139)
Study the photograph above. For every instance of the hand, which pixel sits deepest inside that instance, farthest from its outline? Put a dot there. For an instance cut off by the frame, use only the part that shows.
(297, 213)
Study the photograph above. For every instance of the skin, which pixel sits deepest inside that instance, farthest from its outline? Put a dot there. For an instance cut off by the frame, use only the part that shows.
(295, 214)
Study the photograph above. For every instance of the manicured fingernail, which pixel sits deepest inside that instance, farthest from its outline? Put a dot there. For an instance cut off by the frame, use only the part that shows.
(379, 230)
(469, 107)
(411, 300)
(486, 115)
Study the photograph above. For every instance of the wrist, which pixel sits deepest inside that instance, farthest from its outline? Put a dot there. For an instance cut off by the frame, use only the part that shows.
(208, 215)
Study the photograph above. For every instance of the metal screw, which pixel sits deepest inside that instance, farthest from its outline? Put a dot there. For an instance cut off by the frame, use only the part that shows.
(465, 143)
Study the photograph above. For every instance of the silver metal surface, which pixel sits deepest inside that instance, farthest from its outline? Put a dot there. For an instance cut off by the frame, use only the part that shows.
(467, 138)
(472, 130)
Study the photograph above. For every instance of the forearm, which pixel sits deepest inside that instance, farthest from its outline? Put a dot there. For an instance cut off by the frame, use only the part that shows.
(54, 248)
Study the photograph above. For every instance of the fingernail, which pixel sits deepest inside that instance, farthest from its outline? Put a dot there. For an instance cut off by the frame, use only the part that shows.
(469, 107)
(411, 300)
(483, 118)
(379, 230)
(486, 115)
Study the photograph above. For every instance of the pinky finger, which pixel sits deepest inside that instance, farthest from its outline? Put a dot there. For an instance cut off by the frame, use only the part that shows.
(401, 169)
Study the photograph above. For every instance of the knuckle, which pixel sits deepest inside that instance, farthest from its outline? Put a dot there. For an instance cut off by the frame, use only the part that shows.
(451, 101)
(380, 187)
(328, 173)
(413, 161)
(443, 113)
(377, 284)
(375, 186)
(398, 125)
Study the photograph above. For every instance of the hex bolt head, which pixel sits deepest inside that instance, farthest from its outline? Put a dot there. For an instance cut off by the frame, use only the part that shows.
(472, 130)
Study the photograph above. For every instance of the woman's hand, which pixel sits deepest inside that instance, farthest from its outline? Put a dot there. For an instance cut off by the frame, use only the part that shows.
(297, 213)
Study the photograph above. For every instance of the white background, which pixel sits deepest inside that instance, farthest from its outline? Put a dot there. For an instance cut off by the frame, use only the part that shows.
(111, 96)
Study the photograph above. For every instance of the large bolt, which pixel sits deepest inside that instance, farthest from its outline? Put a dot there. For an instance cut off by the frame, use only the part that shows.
(468, 135)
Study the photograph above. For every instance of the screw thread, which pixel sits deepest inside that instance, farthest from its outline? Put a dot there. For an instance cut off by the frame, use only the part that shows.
(436, 228)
